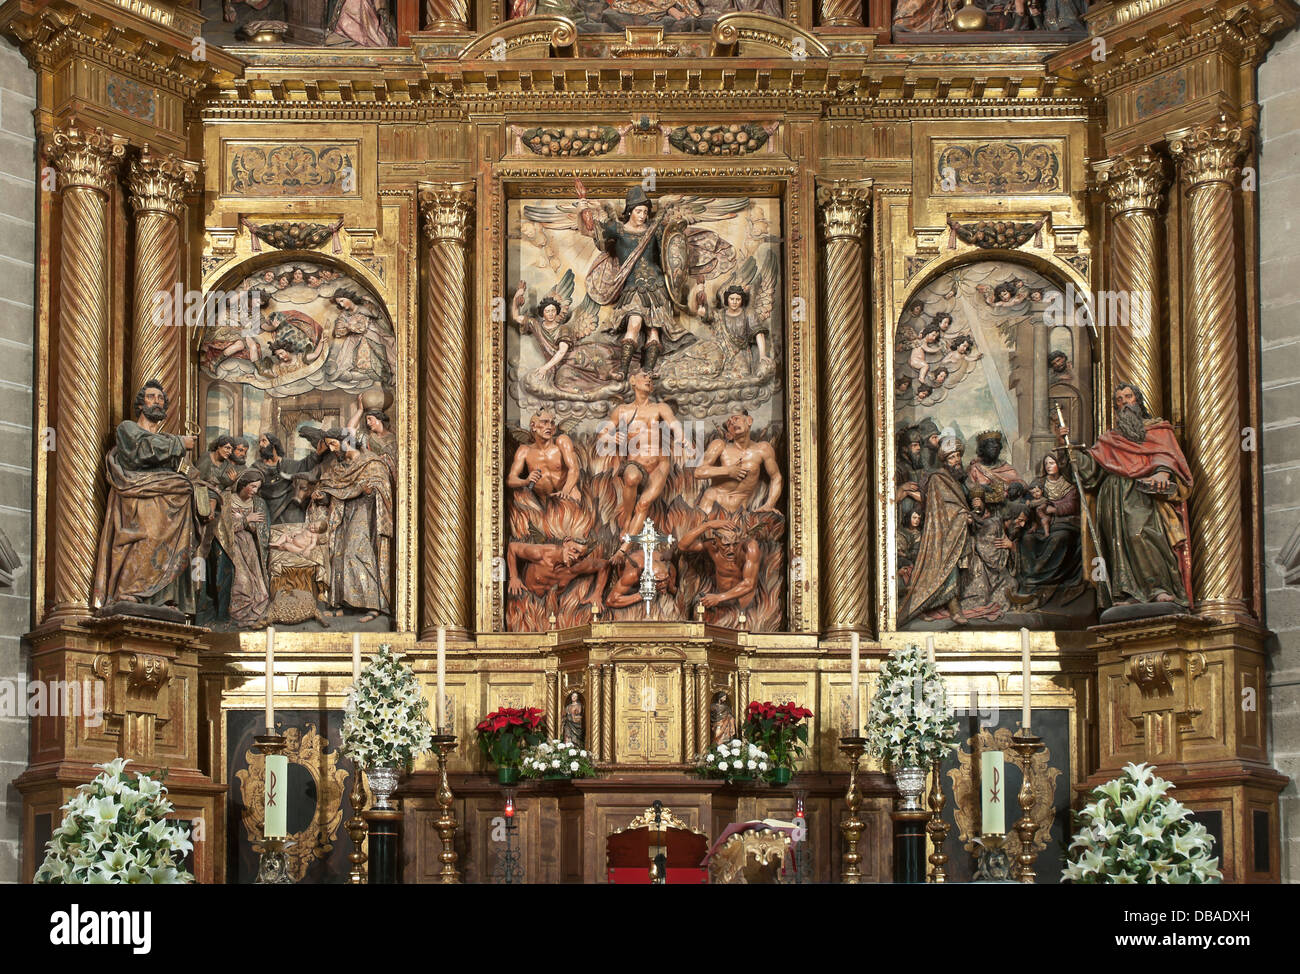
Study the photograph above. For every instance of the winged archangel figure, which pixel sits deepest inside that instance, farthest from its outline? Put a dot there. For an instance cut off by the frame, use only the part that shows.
(647, 267)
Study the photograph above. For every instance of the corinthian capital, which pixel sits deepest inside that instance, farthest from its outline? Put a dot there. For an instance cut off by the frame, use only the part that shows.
(843, 206)
(448, 211)
(159, 183)
(1134, 181)
(86, 158)
(1210, 153)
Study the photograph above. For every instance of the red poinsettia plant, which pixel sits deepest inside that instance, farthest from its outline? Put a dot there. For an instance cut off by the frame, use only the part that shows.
(504, 733)
(779, 729)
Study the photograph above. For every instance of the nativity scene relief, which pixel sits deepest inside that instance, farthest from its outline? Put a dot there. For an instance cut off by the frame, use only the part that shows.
(300, 458)
(645, 403)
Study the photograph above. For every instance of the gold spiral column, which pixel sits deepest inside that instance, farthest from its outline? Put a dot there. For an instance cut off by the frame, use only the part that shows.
(447, 459)
(157, 187)
(86, 164)
(1208, 162)
(447, 16)
(846, 417)
(841, 13)
(1135, 184)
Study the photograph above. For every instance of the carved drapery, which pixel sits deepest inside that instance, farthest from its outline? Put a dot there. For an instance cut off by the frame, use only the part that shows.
(1135, 184)
(86, 164)
(157, 186)
(447, 462)
(843, 208)
(1208, 158)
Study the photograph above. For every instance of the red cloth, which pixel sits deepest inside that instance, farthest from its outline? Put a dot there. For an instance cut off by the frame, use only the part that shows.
(1119, 455)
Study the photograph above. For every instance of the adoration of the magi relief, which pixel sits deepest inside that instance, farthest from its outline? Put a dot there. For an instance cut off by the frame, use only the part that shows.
(987, 368)
(298, 455)
(645, 362)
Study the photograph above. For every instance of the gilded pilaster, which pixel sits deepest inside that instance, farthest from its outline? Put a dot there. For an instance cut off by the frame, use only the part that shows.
(86, 164)
(157, 187)
(1135, 185)
(1208, 158)
(448, 551)
(845, 483)
(692, 717)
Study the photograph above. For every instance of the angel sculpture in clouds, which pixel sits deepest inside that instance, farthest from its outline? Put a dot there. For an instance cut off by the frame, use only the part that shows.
(563, 335)
(740, 318)
(646, 265)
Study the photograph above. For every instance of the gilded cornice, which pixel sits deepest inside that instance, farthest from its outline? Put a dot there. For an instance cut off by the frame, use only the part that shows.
(1146, 37)
(1210, 153)
(1135, 181)
(140, 40)
(159, 183)
(86, 158)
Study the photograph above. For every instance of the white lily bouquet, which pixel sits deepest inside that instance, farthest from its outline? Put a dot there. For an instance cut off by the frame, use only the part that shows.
(1132, 833)
(386, 722)
(116, 831)
(909, 724)
(556, 759)
(734, 759)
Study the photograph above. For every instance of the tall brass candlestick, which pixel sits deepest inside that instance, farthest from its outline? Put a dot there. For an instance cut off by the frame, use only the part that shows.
(937, 827)
(852, 826)
(357, 829)
(445, 824)
(1026, 746)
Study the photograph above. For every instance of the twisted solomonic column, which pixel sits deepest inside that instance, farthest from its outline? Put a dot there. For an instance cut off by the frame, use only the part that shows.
(447, 16)
(447, 456)
(1135, 184)
(1208, 159)
(157, 187)
(846, 417)
(841, 13)
(86, 164)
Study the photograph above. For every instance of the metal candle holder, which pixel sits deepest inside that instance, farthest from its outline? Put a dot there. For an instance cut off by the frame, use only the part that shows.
(272, 867)
(357, 829)
(853, 748)
(445, 824)
(937, 827)
(1026, 745)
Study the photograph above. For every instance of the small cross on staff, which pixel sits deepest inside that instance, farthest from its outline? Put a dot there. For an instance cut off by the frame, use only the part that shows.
(649, 539)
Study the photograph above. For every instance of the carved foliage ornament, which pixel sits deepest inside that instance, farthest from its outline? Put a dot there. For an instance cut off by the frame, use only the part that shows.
(1210, 153)
(1133, 182)
(159, 183)
(86, 158)
(843, 209)
(593, 140)
(1000, 167)
(448, 211)
(737, 138)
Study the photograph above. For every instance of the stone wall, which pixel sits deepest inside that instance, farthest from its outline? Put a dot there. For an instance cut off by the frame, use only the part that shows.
(17, 328)
(1279, 190)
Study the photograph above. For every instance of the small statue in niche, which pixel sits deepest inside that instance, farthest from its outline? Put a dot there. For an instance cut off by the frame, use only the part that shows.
(149, 534)
(572, 727)
(722, 718)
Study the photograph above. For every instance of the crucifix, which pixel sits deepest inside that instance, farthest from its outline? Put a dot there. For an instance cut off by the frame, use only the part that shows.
(649, 539)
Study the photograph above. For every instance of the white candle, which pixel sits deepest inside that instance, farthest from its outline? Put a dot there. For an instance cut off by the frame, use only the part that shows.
(270, 679)
(356, 658)
(929, 648)
(442, 675)
(1024, 676)
(854, 662)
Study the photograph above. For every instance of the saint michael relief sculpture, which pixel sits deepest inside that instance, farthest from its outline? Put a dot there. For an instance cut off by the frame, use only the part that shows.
(648, 365)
